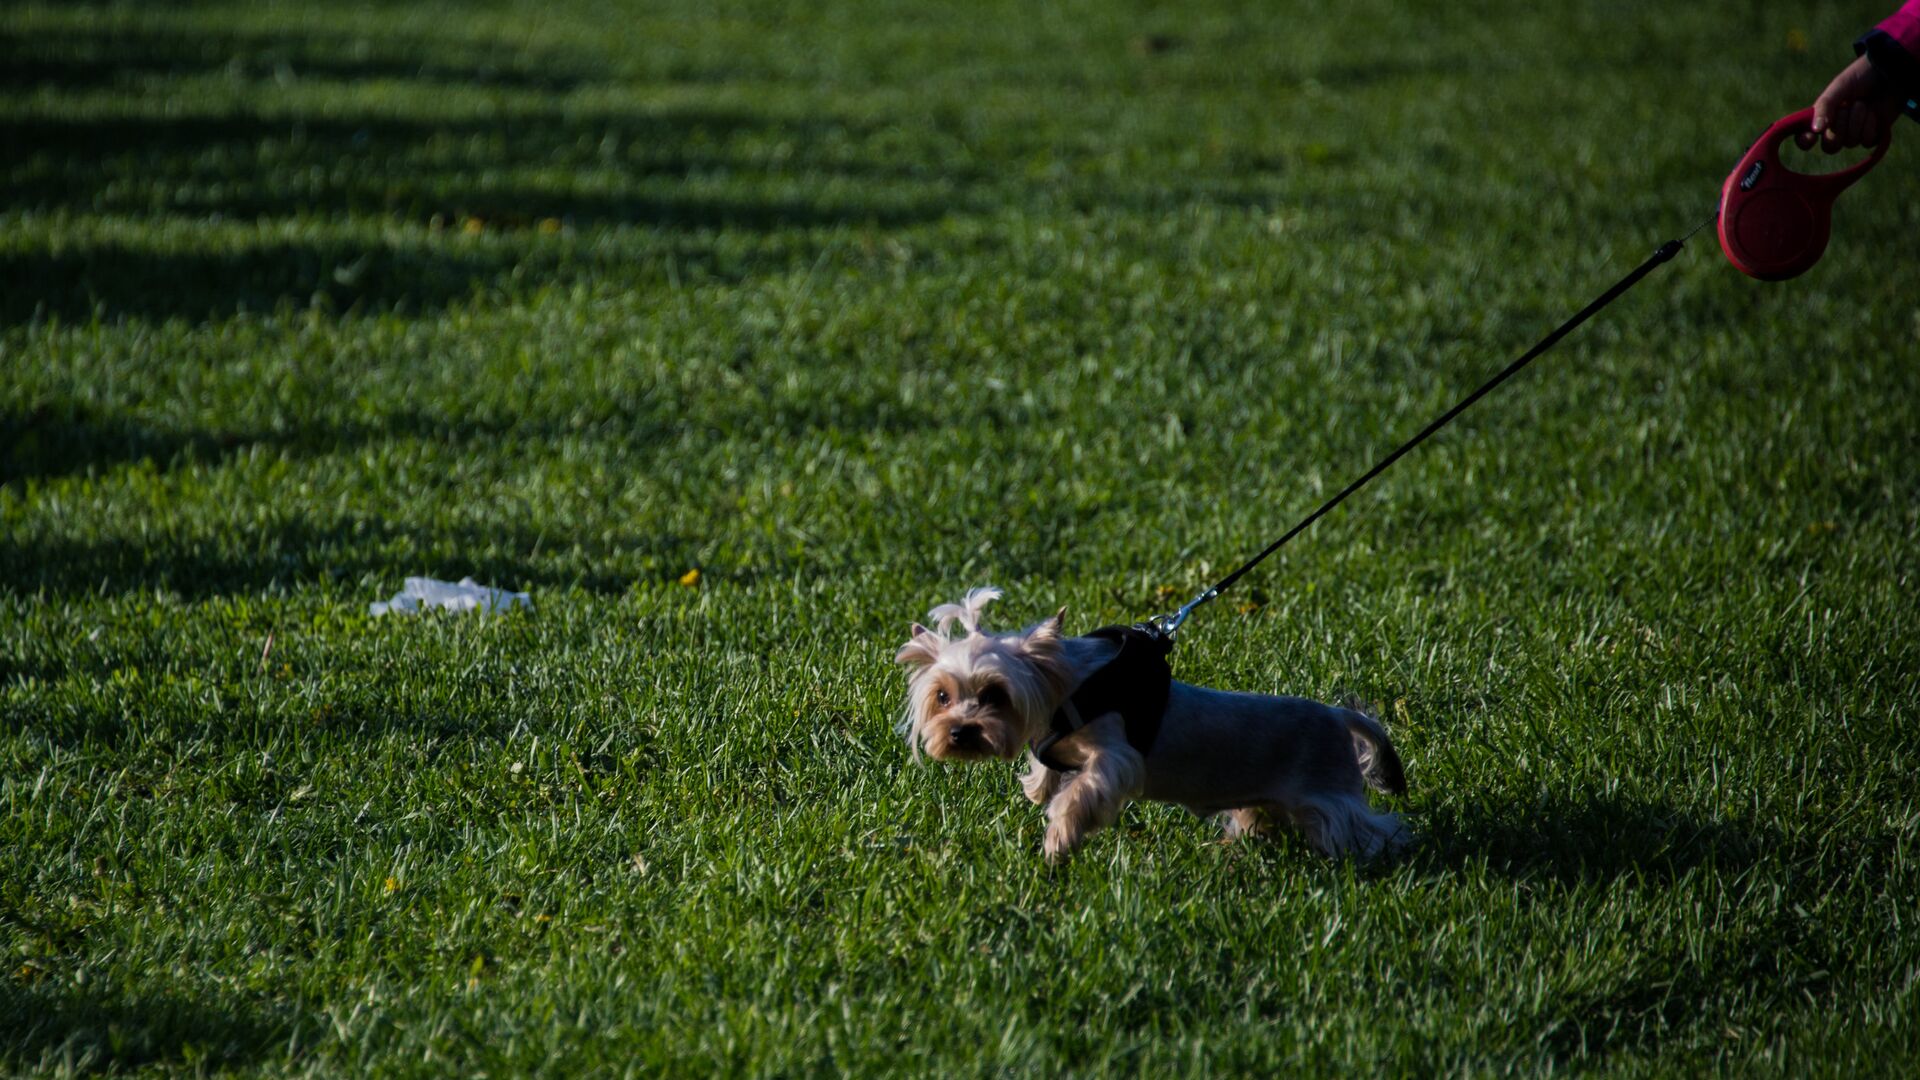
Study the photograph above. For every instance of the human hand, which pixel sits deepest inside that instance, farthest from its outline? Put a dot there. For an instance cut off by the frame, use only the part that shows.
(1856, 109)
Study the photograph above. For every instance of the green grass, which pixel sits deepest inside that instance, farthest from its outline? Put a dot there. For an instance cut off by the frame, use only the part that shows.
(855, 309)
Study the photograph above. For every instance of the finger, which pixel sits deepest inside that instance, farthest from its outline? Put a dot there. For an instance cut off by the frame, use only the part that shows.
(1870, 129)
(1831, 100)
(1806, 139)
(1839, 134)
(1822, 112)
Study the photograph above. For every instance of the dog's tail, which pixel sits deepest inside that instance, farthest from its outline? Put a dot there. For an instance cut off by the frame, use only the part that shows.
(1379, 763)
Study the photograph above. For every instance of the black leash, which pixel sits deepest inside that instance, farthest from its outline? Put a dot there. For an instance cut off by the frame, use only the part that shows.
(1168, 624)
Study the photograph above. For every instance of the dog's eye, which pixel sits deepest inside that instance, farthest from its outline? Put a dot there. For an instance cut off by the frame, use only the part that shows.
(994, 697)
(941, 697)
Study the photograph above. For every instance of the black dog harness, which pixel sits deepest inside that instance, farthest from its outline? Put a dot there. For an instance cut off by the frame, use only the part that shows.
(1135, 684)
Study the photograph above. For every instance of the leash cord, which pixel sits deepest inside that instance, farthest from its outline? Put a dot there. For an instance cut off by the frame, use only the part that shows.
(1168, 624)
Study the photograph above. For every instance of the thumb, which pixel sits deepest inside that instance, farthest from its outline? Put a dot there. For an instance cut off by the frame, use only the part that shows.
(1837, 93)
(1822, 111)
(1822, 117)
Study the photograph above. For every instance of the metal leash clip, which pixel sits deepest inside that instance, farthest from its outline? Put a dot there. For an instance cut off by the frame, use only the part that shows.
(1169, 624)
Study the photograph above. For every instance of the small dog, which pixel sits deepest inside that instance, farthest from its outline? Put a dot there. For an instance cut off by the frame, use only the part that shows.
(1249, 757)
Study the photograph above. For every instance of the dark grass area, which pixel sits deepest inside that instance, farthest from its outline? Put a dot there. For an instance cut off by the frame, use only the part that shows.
(854, 308)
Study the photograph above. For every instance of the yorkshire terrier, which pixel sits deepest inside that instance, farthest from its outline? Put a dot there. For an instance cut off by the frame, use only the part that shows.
(1251, 758)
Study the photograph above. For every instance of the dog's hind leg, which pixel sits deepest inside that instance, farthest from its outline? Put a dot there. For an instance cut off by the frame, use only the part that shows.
(1379, 762)
(1342, 824)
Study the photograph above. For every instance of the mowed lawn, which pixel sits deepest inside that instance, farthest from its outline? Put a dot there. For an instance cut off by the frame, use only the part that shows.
(850, 308)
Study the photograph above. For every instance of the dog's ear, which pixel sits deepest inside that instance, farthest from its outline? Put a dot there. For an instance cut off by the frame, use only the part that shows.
(1042, 647)
(1050, 630)
(922, 647)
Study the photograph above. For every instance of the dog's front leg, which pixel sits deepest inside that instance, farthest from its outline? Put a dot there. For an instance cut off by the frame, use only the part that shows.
(1040, 783)
(1090, 800)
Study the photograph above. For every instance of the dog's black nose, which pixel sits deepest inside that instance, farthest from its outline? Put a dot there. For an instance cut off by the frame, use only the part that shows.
(965, 735)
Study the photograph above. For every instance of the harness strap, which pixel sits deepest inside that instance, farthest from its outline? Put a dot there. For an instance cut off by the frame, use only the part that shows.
(1135, 683)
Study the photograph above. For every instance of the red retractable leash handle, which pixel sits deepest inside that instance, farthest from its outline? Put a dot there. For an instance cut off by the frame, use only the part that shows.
(1774, 222)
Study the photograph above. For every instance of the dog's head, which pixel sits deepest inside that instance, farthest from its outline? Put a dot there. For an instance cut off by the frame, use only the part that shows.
(979, 695)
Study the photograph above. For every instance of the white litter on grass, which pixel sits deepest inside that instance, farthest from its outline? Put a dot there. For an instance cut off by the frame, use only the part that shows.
(463, 595)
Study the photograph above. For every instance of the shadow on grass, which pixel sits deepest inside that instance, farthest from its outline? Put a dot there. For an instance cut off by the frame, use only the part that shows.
(224, 555)
(1580, 839)
(1781, 959)
(536, 165)
(246, 166)
(54, 441)
(1686, 980)
(93, 1031)
(250, 164)
(71, 58)
(299, 551)
(484, 717)
(70, 438)
(114, 279)
(425, 270)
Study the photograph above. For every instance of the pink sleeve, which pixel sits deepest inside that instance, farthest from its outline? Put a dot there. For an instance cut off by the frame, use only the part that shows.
(1903, 26)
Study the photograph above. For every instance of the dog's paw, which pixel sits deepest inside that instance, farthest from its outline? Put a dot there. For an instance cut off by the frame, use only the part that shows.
(1241, 823)
(1060, 841)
